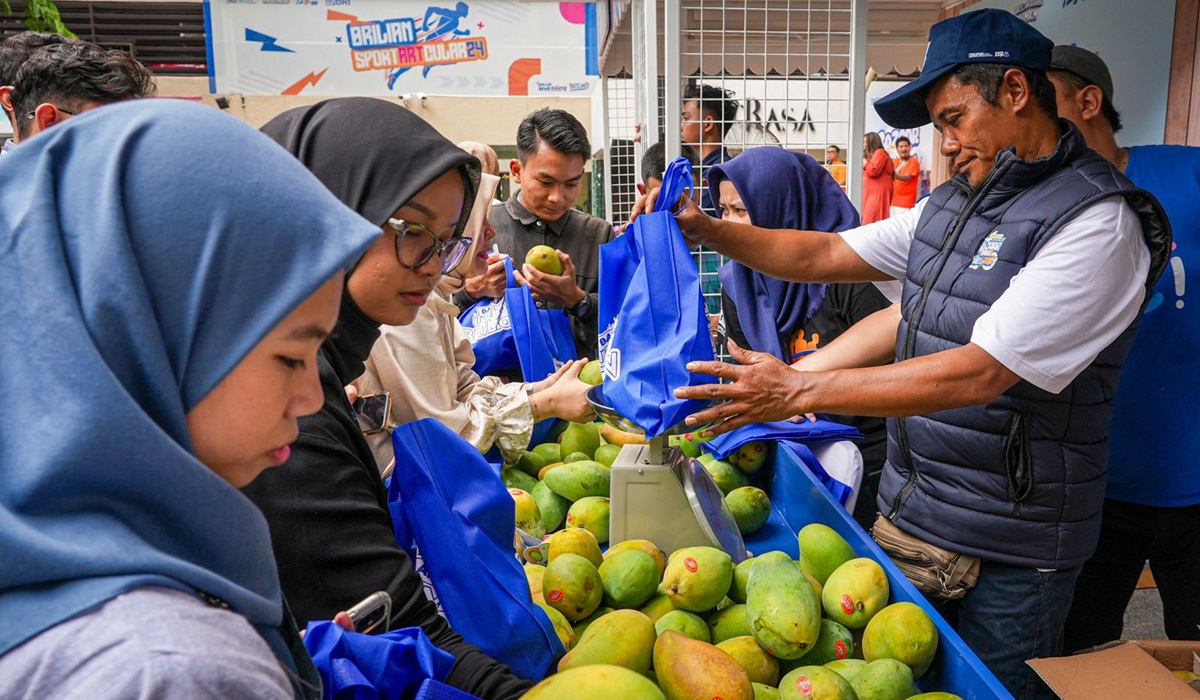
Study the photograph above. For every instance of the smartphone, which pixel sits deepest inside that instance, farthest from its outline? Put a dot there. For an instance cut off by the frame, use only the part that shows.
(372, 612)
(372, 412)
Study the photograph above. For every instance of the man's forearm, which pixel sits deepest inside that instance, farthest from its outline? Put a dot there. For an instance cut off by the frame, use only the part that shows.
(964, 376)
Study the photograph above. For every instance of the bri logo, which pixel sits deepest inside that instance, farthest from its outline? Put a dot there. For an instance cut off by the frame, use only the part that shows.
(486, 320)
(989, 251)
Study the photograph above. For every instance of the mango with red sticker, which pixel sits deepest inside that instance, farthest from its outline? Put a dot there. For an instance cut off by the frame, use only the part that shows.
(782, 608)
(855, 592)
(571, 585)
(697, 578)
(750, 457)
(815, 683)
(688, 669)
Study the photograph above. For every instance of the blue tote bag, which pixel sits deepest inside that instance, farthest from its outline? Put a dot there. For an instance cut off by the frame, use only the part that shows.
(513, 333)
(456, 519)
(652, 315)
(398, 664)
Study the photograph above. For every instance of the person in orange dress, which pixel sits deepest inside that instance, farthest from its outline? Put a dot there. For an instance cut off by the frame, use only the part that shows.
(877, 180)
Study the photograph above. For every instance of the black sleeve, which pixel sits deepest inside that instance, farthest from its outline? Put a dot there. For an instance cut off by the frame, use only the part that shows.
(733, 327)
(463, 299)
(334, 542)
(850, 303)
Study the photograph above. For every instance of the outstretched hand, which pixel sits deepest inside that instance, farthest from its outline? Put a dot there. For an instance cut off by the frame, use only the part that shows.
(762, 389)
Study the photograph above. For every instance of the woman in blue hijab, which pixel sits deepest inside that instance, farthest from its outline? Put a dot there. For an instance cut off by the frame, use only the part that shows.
(774, 188)
(167, 277)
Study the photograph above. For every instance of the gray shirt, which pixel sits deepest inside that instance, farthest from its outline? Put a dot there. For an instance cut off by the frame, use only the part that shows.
(149, 643)
(577, 234)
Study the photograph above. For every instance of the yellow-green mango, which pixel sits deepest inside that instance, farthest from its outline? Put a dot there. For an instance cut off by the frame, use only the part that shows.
(630, 579)
(658, 606)
(697, 578)
(581, 626)
(741, 576)
(590, 374)
(855, 591)
(576, 480)
(550, 452)
(607, 454)
(937, 695)
(729, 622)
(834, 643)
(529, 462)
(782, 607)
(759, 665)
(574, 541)
(904, 632)
(595, 683)
(571, 585)
(847, 668)
(660, 557)
(822, 551)
(725, 475)
(750, 457)
(514, 478)
(528, 517)
(562, 627)
(552, 506)
(621, 638)
(591, 514)
(689, 670)
(884, 679)
(815, 683)
(765, 692)
(580, 437)
(534, 574)
(686, 623)
(576, 457)
(751, 508)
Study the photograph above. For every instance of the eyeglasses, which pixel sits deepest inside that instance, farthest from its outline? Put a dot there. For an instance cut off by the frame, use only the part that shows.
(32, 114)
(416, 245)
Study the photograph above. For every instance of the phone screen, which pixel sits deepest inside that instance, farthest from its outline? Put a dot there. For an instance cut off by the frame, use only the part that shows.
(371, 612)
(372, 412)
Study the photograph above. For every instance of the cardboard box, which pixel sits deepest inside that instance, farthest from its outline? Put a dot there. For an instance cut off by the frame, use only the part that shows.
(1124, 670)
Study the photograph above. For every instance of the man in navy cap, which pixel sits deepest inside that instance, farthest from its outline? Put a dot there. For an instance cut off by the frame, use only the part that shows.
(1025, 277)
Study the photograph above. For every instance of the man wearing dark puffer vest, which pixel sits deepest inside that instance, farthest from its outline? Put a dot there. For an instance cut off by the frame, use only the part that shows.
(1025, 278)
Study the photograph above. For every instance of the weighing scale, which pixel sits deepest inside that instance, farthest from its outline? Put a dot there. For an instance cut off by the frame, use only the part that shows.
(658, 494)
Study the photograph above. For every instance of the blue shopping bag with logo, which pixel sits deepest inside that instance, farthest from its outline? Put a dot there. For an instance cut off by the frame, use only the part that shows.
(652, 314)
(398, 664)
(455, 517)
(511, 333)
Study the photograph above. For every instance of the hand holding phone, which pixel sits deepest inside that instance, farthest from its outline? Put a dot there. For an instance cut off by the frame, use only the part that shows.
(372, 612)
(372, 412)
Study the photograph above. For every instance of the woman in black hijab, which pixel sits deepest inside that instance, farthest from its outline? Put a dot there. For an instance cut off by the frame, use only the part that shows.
(327, 506)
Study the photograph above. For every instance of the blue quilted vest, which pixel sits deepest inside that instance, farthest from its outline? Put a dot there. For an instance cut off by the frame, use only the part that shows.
(1019, 480)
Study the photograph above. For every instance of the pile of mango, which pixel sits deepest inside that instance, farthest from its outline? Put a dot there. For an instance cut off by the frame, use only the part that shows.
(565, 483)
(637, 624)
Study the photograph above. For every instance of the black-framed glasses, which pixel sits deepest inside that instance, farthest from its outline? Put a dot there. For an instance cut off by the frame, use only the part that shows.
(32, 114)
(416, 244)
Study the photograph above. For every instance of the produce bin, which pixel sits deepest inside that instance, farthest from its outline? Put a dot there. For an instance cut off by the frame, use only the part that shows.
(799, 499)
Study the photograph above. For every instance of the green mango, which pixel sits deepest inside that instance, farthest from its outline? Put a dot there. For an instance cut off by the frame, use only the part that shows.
(822, 551)
(590, 374)
(516, 479)
(576, 457)
(578, 480)
(728, 623)
(834, 643)
(604, 682)
(697, 578)
(765, 692)
(884, 679)
(621, 638)
(751, 507)
(782, 607)
(562, 627)
(815, 683)
(741, 576)
(759, 665)
(686, 623)
(847, 668)
(571, 585)
(553, 507)
(750, 457)
(937, 695)
(904, 632)
(607, 454)
(580, 437)
(581, 626)
(630, 579)
(530, 462)
(725, 475)
(591, 514)
(855, 592)
(550, 452)
(660, 605)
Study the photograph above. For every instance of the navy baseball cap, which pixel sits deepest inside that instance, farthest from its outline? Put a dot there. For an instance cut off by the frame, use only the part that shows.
(983, 36)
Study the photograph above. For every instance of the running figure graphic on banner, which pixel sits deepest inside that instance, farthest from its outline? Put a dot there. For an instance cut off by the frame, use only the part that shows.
(445, 24)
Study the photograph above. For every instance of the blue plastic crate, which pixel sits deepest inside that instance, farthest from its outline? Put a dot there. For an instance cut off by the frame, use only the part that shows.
(797, 500)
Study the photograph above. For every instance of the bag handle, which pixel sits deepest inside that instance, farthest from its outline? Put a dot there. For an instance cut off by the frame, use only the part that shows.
(508, 273)
(677, 176)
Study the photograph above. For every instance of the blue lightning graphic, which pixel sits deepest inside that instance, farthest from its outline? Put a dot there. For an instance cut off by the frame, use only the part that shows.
(268, 42)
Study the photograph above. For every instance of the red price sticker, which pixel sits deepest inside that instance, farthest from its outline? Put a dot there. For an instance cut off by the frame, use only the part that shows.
(804, 686)
(691, 565)
(847, 604)
(840, 650)
(554, 596)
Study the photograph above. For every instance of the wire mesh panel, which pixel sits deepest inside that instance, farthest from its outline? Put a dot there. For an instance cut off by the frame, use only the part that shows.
(620, 162)
(762, 73)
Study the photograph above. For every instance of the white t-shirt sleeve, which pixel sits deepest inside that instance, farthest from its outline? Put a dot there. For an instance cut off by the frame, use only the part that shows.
(884, 244)
(1072, 300)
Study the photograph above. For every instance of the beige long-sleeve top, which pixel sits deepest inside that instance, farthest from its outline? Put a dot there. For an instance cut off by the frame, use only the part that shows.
(427, 368)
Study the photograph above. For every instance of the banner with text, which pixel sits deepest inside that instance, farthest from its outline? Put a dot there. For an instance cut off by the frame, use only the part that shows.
(394, 47)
